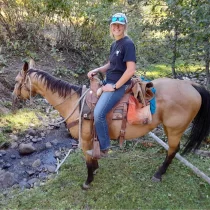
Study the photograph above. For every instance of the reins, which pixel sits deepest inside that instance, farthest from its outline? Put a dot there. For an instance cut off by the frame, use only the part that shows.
(58, 123)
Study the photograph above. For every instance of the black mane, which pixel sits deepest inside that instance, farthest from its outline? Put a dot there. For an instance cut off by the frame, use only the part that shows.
(55, 85)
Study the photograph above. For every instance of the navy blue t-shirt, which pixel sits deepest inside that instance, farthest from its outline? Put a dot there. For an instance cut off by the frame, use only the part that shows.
(121, 51)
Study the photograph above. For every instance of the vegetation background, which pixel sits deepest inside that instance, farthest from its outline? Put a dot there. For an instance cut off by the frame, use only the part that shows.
(70, 37)
(173, 33)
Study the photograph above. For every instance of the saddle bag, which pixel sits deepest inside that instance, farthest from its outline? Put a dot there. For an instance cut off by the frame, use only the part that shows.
(137, 113)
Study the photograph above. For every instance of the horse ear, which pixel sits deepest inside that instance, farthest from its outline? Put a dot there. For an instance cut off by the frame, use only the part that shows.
(25, 67)
(31, 64)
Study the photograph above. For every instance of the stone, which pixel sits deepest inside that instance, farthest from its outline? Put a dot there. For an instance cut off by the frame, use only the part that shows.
(31, 132)
(24, 185)
(3, 152)
(34, 140)
(54, 142)
(14, 145)
(51, 168)
(36, 163)
(6, 166)
(7, 180)
(13, 137)
(48, 145)
(25, 149)
(30, 172)
(57, 154)
(13, 157)
(32, 181)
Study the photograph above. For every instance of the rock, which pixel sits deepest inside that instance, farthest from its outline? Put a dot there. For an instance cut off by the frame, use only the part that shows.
(32, 181)
(54, 142)
(13, 157)
(42, 175)
(6, 180)
(24, 185)
(48, 145)
(34, 140)
(3, 152)
(6, 166)
(31, 132)
(30, 172)
(25, 149)
(57, 154)
(13, 137)
(42, 134)
(51, 168)
(36, 163)
(14, 145)
(39, 139)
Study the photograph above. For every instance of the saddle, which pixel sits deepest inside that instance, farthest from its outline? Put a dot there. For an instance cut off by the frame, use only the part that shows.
(139, 89)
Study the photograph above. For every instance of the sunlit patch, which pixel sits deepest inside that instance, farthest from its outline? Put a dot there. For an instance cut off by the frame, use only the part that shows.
(20, 121)
(162, 70)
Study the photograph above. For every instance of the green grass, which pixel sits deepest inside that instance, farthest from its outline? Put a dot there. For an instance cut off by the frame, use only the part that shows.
(18, 122)
(162, 70)
(123, 182)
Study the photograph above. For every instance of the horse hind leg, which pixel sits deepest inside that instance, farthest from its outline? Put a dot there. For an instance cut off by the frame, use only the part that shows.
(174, 146)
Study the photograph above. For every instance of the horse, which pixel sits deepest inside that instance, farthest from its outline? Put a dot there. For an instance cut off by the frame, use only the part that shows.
(178, 104)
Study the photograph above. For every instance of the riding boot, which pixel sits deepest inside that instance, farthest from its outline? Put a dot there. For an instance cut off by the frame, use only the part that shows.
(103, 153)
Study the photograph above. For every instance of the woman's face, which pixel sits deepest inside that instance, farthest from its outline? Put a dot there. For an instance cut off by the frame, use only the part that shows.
(118, 30)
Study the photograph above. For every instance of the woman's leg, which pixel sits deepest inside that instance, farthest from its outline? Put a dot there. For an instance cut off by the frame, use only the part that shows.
(105, 103)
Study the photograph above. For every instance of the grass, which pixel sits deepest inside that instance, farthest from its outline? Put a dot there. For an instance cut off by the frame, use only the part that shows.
(18, 122)
(123, 182)
(163, 70)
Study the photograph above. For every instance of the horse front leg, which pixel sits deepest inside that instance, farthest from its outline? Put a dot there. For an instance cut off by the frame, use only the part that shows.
(174, 146)
(92, 166)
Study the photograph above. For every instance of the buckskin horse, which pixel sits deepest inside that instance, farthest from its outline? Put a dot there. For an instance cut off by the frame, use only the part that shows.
(178, 103)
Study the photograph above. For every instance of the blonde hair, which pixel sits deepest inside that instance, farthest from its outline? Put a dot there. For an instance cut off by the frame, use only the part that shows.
(125, 31)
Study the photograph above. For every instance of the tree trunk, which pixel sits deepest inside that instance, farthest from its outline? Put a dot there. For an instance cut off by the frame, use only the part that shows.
(174, 49)
(207, 61)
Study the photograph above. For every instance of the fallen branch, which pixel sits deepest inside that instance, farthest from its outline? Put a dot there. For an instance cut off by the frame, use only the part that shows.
(59, 165)
(183, 160)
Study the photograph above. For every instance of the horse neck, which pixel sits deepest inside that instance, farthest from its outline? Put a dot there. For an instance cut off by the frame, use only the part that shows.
(61, 104)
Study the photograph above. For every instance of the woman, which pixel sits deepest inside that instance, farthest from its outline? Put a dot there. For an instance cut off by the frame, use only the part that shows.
(119, 70)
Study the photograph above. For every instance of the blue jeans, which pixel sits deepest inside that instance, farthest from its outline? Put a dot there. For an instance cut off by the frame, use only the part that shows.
(105, 103)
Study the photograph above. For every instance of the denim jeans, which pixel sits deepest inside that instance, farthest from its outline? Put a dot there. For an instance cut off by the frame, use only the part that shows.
(105, 103)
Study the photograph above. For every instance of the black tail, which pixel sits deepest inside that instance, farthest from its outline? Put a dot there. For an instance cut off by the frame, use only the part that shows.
(201, 124)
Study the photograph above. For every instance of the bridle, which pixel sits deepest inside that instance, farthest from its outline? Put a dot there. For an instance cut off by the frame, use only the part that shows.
(23, 84)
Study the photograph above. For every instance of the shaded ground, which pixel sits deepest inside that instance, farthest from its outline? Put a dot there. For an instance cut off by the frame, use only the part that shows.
(30, 170)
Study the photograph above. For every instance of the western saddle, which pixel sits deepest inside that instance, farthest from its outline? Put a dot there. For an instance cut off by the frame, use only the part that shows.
(139, 89)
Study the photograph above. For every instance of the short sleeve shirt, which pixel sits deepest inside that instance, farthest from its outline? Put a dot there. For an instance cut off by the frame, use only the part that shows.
(121, 51)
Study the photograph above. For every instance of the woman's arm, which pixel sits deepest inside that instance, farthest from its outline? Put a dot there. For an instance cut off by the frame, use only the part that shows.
(101, 69)
(130, 70)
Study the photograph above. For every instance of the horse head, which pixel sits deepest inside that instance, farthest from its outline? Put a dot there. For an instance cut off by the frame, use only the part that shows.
(23, 88)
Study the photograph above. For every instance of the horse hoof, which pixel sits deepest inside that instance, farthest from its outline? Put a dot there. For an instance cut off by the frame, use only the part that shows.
(155, 179)
(85, 186)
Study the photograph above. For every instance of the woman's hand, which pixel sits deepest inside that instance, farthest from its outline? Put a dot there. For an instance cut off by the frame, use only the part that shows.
(92, 73)
(108, 88)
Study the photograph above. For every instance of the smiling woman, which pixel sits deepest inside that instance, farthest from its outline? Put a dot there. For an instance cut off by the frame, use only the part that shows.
(119, 69)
